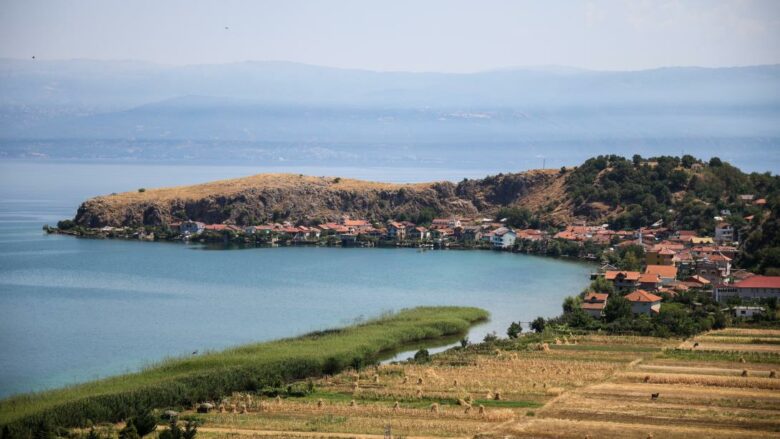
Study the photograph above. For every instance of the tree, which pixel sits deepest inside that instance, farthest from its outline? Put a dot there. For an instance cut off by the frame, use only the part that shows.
(514, 330)
(570, 304)
(617, 308)
(715, 162)
(173, 431)
(688, 161)
(129, 432)
(538, 324)
(144, 423)
(190, 430)
(422, 356)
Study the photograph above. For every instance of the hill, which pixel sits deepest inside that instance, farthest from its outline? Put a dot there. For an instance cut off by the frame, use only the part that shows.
(683, 193)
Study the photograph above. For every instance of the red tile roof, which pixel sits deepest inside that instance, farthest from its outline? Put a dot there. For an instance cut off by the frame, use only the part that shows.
(665, 271)
(759, 282)
(628, 275)
(642, 296)
(595, 297)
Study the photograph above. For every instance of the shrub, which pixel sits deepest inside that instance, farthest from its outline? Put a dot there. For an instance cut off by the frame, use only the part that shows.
(66, 224)
(538, 324)
(514, 330)
(142, 190)
(422, 356)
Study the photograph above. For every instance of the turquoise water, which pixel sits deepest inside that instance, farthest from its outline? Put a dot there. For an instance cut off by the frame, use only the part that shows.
(76, 309)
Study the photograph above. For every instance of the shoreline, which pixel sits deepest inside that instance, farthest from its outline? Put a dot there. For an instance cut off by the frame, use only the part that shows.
(180, 381)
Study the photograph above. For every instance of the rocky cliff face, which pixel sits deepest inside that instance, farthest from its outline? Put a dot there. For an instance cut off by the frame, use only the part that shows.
(274, 197)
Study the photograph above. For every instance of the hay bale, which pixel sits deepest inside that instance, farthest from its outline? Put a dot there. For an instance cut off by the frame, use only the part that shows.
(352, 403)
(320, 403)
(647, 378)
(772, 374)
(489, 395)
(242, 408)
(481, 409)
(469, 399)
(741, 359)
(744, 373)
(418, 393)
(435, 408)
(405, 380)
(396, 406)
(467, 410)
(376, 378)
(278, 400)
(557, 341)
(462, 402)
(419, 381)
(497, 395)
(455, 383)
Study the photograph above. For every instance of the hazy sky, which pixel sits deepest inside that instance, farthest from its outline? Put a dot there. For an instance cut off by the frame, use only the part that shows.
(418, 35)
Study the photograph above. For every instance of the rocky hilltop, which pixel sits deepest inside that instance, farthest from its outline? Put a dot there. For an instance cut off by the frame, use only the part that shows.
(274, 197)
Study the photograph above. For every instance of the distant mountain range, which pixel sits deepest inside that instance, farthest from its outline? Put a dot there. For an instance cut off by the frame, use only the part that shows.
(270, 112)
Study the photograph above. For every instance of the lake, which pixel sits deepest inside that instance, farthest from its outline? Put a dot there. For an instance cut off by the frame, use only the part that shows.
(76, 309)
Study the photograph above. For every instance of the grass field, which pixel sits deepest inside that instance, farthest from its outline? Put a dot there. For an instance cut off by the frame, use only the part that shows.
(185, 381)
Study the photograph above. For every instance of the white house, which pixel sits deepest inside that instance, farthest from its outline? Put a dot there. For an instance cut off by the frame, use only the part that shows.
(191, 227)
(747, 311)
(594, 304)
(503, 238)
(643, 302)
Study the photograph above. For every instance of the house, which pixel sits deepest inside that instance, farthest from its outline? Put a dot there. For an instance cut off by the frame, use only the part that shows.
(724, 233)
(716, 268)
(643, 302)
(594, 304)
(696, 281)
(747, 311)
(754, 287)
(623, 280)
(418, 233)
(472, 233)
(503, 238)
(222, 228)
(191, 227)
(650, 281)
(667, 273)
(662, 254)
(445, 223)
(396, 230)
(441, 234)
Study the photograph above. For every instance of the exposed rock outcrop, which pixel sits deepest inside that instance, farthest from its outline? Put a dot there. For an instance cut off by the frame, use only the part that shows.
(274, 197)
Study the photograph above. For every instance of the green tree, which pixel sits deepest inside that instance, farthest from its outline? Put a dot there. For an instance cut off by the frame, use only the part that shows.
(173, 431)
(514, 330)
(538, 324)
(422, 356)
(144, 423)
(570, 304)
(617, 308)
(190, 430)
(129, 431)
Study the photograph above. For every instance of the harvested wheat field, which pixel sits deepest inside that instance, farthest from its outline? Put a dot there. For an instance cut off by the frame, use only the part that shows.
(593, 386)
(681, 392)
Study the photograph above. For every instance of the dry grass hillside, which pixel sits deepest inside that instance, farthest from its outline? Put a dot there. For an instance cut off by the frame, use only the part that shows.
(299, 198)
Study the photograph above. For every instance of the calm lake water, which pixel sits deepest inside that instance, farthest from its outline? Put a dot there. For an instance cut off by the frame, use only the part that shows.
(75, 309)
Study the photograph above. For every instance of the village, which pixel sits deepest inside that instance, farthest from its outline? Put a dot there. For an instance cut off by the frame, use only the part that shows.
(660, 262)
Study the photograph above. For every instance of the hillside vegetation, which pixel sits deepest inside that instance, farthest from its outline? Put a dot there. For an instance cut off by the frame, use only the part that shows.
(185, 381)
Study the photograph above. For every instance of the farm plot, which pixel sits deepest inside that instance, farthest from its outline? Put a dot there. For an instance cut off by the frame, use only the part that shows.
(682, 392)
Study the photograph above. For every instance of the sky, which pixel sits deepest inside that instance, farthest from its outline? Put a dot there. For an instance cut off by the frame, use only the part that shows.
(399, 35)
